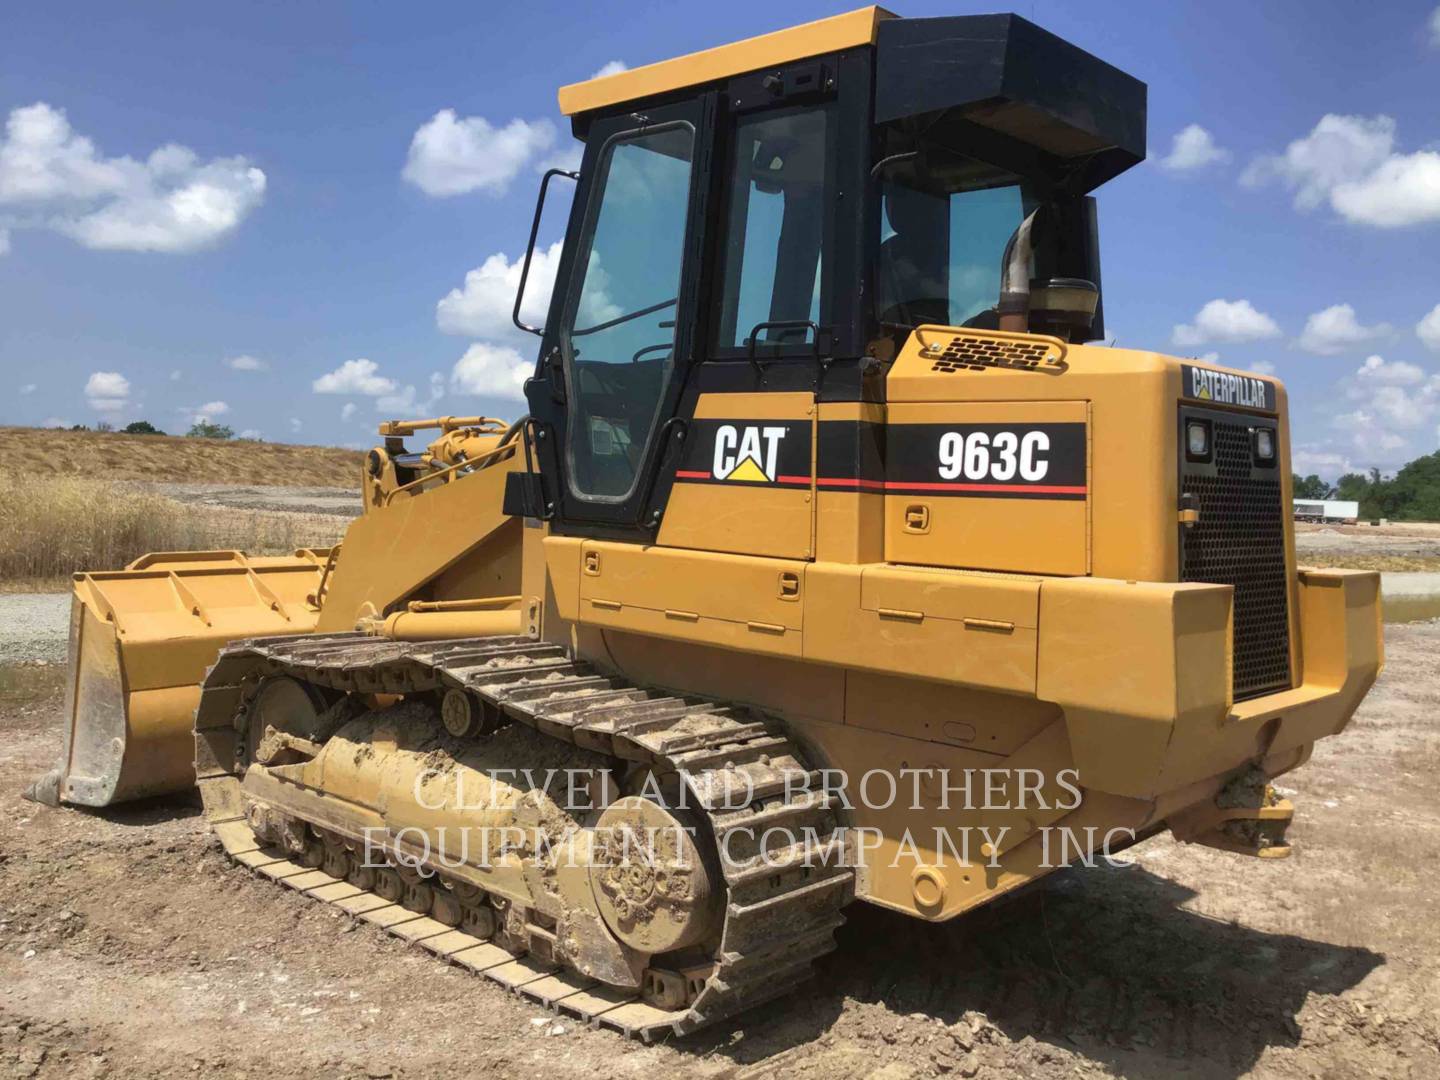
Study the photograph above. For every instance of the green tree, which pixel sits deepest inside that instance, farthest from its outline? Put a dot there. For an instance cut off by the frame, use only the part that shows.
(1309, 487)
(1414, 493)
(140, 427)
(207, 429)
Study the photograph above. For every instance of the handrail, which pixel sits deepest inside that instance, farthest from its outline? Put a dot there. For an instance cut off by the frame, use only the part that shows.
(444, 423)
(449, 470)
(317, 598)
(530, 249)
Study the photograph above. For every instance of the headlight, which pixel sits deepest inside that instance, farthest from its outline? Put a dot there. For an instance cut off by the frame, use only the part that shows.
(1265, 446)
(1197, 440)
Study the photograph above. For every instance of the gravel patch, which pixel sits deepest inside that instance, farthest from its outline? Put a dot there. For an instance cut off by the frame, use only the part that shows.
(337, 502)
(34, 626)
(1402, 583)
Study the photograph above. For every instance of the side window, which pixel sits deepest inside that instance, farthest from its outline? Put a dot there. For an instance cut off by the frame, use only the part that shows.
(940, 252)
(618, 333)
(774, 236)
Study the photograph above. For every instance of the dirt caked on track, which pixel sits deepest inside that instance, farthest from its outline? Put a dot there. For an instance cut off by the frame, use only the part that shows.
(131, 946)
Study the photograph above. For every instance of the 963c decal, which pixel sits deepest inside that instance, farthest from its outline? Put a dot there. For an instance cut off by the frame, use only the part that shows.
(1007, 461)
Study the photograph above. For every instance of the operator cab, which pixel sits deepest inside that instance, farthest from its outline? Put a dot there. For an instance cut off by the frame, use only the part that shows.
(783, 213)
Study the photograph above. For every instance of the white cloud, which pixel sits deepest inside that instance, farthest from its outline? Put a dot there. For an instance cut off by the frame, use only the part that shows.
(1314, 459)
(345, 413)
(1394, 401)
(4, 241)
(28, 388)
(175, 375)
(1193, 148)
(453, 155)
(251, 433)
(1428, 329)
(355, 377)
(1228, 322)
(206, 412)
(1435, 28)
(245, 362)
(54, 178)
(611, 67)
(491, 371)
(1351, 162)
(483, 305)
(1376, 370)
(55, 422)
(107, 391)
(407, 399)
(296, 424)
(1336, 329)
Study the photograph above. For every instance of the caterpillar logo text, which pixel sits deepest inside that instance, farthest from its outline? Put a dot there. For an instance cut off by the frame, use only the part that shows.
(1224, 388)
(747, 453)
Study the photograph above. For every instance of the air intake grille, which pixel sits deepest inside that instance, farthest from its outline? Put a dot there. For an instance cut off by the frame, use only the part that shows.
(975, 351)
(1240, 541)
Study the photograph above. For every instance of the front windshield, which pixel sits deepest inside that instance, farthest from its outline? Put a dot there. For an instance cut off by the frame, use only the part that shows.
(942, 242)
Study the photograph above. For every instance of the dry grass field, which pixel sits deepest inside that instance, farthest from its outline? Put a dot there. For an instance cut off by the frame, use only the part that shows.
(79, 500)
(112, 456)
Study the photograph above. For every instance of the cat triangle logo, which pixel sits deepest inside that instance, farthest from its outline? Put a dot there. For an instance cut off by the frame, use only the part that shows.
(749, 453)
(748, 469)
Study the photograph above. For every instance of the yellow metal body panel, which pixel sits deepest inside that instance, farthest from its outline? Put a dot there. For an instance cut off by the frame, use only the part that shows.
(727, 501)
(1132, 400)
(705, 597)
(933, 624)
(1044, 533)
(850, 518)
(395, 548)
(781, 47)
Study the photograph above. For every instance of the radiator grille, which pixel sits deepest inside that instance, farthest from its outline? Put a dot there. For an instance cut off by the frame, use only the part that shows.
(1240, 541)
(973, 350)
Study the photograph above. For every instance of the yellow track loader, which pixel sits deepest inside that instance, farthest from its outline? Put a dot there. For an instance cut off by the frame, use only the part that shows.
(833, 562)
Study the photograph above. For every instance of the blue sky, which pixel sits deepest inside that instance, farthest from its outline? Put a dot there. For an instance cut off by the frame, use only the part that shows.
(331, 246)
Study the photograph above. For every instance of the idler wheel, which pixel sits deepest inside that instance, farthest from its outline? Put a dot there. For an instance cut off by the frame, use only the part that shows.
(653, 876)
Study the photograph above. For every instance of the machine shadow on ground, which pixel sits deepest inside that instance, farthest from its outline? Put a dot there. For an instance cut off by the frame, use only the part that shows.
(1104, 962)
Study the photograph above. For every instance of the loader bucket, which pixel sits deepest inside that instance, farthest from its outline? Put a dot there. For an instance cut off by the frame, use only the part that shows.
(141, 640)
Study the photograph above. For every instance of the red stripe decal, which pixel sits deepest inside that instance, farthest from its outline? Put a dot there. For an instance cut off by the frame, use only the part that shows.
(1038, 489)
(900, 485)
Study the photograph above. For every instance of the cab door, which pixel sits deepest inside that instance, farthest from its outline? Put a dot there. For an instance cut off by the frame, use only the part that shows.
(620, 333)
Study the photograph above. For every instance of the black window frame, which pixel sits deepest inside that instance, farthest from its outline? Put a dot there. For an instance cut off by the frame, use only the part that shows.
(847, 133)
(548, 393)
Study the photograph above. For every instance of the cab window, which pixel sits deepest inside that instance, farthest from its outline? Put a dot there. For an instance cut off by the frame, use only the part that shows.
(774, 240)
(617, 337)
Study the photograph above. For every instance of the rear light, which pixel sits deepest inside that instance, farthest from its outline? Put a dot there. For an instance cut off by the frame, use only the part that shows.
(1263, 443)
(1197, 440)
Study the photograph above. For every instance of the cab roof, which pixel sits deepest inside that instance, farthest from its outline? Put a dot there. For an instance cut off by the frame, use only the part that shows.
(859, 27)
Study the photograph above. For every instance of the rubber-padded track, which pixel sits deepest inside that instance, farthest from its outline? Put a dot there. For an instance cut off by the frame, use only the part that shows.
(780, 914)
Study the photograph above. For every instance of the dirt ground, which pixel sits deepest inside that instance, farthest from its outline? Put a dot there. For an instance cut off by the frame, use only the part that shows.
(130, 947)
(1398, 546)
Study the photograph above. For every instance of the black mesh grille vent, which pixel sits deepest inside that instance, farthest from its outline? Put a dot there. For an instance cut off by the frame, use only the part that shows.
(1240, 541)
(973, 351)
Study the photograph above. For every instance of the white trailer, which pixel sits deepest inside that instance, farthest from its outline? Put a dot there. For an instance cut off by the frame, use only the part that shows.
(1338, 511)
